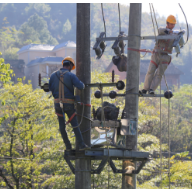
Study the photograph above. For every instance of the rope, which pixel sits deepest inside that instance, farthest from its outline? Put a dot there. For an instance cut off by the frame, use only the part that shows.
(160, 142)
(160, 111)
(103, 18)
(169, 141)
(186, 23)
(152, 20)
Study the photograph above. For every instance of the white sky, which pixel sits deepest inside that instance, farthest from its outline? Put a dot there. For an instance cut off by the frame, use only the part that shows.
(166, 9)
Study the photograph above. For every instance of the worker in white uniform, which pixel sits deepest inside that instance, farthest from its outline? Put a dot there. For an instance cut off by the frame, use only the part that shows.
(160, 58)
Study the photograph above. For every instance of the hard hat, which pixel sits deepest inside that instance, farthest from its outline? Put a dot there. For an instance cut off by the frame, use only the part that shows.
(171, 19)
(68, 58)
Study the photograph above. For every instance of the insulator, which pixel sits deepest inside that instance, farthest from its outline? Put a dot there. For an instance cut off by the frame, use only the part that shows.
(117, 51)
(122, 45)
(98, 52)
(46, 87)
(97, 94)
(120, 85)
(112, 94)
(168, 94)
(102, 45)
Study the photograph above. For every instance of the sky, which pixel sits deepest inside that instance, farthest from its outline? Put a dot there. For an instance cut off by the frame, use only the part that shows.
(166, 9)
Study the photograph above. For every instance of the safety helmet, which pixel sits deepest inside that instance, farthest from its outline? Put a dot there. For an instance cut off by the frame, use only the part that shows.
(171, 19)
(68, 58)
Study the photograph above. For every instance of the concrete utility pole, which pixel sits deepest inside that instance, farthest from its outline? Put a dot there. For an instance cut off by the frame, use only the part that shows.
(83, 69)
(132, 81)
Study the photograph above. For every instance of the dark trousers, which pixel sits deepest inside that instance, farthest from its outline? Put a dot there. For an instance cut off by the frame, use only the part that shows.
(69, 110)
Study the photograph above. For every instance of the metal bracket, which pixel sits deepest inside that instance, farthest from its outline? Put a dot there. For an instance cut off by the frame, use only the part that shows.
(106, 155)
(115, 170)
(142, 37)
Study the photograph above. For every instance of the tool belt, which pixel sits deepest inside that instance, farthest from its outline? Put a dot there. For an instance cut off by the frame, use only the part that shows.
(71, 101)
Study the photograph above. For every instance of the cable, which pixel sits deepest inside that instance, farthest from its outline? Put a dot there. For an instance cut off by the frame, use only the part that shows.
(152, 20)
(103, 18)
(119, 18)
(155, 16)
(186, 23)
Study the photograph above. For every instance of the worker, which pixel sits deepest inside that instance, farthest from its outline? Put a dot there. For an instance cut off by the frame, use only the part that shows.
(160, 59)
(62, 84)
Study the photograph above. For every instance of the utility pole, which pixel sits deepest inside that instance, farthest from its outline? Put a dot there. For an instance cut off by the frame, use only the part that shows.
(83, 69)
(131, 100)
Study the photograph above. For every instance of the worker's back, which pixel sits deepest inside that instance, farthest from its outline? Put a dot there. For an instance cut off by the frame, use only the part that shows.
(70, 80)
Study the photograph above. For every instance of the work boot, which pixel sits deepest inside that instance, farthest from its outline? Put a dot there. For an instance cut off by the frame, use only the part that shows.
(144, 91)
(84, 147)
(151, 91)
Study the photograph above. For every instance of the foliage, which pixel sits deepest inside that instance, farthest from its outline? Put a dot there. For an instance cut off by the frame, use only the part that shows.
(5, 72)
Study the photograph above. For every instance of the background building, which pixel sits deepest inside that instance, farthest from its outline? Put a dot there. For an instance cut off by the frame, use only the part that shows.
(172, 73)
(44, 59)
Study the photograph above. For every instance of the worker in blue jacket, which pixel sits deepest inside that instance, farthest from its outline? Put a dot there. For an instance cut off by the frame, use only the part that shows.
(62, 84)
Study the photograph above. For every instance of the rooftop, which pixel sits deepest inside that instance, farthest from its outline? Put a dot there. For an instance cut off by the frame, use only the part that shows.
(44, 60)
(36, 47)
(65, 44)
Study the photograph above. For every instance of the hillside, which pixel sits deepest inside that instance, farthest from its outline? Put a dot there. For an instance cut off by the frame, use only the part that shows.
(50, 23)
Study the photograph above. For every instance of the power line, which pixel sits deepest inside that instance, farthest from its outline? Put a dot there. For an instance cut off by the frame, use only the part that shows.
(103, 19)
(119, 18)
(186, 23)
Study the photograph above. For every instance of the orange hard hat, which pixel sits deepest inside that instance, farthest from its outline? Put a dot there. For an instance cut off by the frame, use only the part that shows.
(68, 58)
(171, 19)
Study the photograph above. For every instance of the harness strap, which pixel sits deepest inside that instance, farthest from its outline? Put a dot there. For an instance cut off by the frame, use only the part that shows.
(61, 86)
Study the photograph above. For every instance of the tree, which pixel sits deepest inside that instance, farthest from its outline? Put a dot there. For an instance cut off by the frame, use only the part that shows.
(31, 142)
(5, 72)
(66, 27)
(36, 29)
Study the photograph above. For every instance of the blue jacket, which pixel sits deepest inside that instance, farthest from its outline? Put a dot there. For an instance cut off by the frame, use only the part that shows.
(70, 80)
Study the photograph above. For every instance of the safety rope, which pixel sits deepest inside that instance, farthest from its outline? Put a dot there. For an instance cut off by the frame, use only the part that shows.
(160, 142)
(169, 141)
(160, 116)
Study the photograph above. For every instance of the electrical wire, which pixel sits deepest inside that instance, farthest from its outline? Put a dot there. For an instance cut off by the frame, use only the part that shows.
(154, 16)
(119, 18)
(103, 19)
(186, 23)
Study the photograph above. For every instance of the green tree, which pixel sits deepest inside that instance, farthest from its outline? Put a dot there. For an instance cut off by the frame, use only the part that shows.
(5, 72)
(66, 27)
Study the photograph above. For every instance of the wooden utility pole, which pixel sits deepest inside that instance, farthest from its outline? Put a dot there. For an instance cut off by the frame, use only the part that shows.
(131, 100)
(83, 69)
